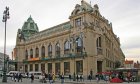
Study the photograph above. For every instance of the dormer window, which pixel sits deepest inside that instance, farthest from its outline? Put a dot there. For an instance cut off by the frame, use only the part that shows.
(78, 22)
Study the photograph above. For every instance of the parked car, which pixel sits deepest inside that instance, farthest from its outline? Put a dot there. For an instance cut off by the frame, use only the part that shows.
(36, 74)
(10, 73)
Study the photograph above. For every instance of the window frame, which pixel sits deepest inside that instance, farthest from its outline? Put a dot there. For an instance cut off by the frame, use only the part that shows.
(78, 22)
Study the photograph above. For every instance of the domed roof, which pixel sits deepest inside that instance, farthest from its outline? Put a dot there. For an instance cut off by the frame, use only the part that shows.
(29, 28)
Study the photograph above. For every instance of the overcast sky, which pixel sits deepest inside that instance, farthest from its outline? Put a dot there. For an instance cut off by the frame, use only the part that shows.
(124, 15)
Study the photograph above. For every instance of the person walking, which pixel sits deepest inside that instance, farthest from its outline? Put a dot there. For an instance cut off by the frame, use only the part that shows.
(50, 79)
(16, 77)
(128, 76)
(46, 76)
(89, 77)
(81, 78)
(69, 77)
(97, 78)
(13, 77)
(77, 77)
(32, 78)
(20, 77)
(62, 79)
(53, 78)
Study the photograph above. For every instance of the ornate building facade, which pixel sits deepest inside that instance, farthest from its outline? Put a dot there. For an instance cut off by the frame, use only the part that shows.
(84, 45)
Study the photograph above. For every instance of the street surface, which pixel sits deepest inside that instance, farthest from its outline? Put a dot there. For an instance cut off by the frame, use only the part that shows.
(36, 81)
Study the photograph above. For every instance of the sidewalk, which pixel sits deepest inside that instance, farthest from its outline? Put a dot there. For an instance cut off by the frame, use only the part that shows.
(85, 82)
(36, 81)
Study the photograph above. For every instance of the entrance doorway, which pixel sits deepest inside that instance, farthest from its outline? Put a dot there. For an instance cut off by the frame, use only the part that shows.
(99, 66)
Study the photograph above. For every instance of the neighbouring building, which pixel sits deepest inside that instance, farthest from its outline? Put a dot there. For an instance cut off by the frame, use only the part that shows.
(129, 64)
(86, 44)
(137, 64)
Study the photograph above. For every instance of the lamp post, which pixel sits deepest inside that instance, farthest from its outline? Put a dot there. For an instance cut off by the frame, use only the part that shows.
(5, 17)
(74, 42)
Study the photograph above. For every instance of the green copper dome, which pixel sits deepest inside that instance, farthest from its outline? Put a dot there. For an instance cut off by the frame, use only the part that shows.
(29, 28)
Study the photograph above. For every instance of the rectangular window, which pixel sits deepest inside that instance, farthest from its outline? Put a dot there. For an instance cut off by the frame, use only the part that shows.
(66, 68)
(49, 67)
(43, 67)
(79, 67)
(26, 68)
(36, 67)
(57, 68)
(78, 22)
(31, 67)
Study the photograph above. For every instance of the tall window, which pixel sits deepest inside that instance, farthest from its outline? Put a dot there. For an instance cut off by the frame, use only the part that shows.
(79, 45)
(50, 50)
(79, 67)
(49, 67)
(43, 52)
(36, 67)
(67, 47)
(31, 53)
(26, 54)
(98, 45)
(78, 22)
(43, 67)
(57, 68)
(66, 68)
(98, 42)
(57, 49)
(31, 67)
(36, 52)
(26, 68)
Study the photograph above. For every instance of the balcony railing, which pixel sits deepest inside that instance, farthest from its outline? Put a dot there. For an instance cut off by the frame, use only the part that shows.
(57, 57)
(99, 51)
(31, 59)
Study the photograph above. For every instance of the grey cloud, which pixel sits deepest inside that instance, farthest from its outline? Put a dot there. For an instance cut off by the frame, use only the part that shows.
(131, 42)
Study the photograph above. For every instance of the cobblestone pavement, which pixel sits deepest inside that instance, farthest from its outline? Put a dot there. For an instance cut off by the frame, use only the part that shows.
(36, 81)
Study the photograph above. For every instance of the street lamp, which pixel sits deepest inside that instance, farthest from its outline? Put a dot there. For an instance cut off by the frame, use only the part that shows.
(72, 41)
(5, 17)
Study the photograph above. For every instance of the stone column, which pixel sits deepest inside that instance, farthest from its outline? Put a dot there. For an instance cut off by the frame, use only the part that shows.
(62, 67)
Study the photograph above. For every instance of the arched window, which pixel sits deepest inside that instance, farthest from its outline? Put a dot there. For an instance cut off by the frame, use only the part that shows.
(67, 47)
(57, 49)
(26, 54)
(43, 52)
(79, 45)
(31, 53)
(99, 45)
(50, 50)
(36, 52)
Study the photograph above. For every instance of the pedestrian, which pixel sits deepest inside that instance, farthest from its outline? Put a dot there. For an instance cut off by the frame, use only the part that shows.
(53, 78)
(50, 78)
(69, 77)
(27, 74)
(128, 76)
(46, 76)
(81, 78)
(32, 78)
(89, 77)
(77, 77)
(13, 77)
(97, 78)
(62, 79)
(20, 77)
(16, 77)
